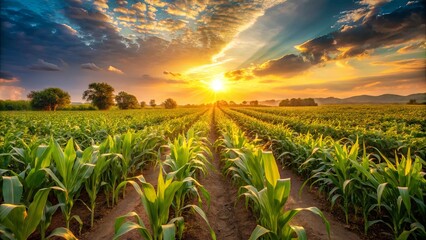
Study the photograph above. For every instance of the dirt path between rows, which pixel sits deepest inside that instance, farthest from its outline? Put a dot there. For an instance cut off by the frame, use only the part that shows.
(228, 217)
(104, 228)
(312, 223)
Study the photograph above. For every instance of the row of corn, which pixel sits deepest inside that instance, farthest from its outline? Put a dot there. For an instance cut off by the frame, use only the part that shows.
(42, 178)
(365, 186)
(257, 174)
(387, 137)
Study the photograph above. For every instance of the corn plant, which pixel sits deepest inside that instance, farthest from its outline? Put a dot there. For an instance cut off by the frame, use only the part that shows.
(187, 159)
(157, 204)
(34, 158)
(401, 192)
(95, 181)
(19, 222)
(71, 173)
(270, 200)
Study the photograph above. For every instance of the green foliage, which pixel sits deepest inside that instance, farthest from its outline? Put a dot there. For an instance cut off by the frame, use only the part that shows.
(157, 204)
(8, 105)
(298, 102)
(186, 161)
(71, 172)
(170, 103)
(18, 221)
(126, 101)
(100, 94)
(49, 99)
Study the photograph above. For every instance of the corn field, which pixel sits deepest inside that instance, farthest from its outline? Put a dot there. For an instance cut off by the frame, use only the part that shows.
(61, 170)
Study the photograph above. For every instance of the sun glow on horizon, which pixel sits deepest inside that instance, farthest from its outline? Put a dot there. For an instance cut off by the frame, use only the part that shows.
(217, 85)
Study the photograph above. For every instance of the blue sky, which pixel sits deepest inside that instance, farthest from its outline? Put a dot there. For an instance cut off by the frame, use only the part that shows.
(259, 49)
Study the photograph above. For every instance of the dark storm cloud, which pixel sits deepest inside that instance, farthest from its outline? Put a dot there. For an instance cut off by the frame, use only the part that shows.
(400, 26)
(90, 66)
(42, 65)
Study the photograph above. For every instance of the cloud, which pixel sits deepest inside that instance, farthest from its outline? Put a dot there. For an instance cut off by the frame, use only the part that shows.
(90, 66)
(115, 70)
(402, 26)
(172, 74)
(286, 66)
(418, 46)
(42, 65)
(6, 77)
(11, 92)
(238, 75)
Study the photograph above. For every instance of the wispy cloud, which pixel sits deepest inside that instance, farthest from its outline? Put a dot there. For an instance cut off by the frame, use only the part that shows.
(90, 66)
(42, 65)
(115, 70)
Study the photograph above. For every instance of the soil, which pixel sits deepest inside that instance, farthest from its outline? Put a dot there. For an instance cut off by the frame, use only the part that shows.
(104, 227)
(227, 215)
(312, 223)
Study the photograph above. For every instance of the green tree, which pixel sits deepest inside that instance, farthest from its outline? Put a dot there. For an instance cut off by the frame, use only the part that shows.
(126, 101)
(100, 94)
(170, 103)
(143, 104)
(152, 103)
(49, 99)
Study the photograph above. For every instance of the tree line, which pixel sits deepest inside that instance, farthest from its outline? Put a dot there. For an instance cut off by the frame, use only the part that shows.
(100, 95)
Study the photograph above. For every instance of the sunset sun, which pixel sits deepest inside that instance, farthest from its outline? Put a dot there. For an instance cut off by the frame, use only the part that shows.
(217, 85)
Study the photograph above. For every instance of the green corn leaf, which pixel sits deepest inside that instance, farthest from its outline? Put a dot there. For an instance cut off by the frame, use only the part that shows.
(12, 189)
(35, 211)
(62, 233)
(169, 231)
(258, 232)
(271, 169)
(300, 232)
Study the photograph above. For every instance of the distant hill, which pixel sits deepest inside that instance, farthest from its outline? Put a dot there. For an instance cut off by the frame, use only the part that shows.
(385, 98)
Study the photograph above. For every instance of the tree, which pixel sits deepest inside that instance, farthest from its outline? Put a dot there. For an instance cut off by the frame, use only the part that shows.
(244, 103)
(143, 104)
(152, 103)
(126, 101)
(254, 103)
(49, 99)
(170, 103)
(298, 102)
(100, 94)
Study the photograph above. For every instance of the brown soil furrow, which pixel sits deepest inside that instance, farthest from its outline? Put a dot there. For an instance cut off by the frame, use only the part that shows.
(228, 217)
(104, 228)
(312, 223)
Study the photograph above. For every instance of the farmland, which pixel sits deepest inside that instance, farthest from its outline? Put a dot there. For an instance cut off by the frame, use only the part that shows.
(354, 172)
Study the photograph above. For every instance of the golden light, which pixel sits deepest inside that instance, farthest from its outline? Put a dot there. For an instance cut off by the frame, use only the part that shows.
(217, 85)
